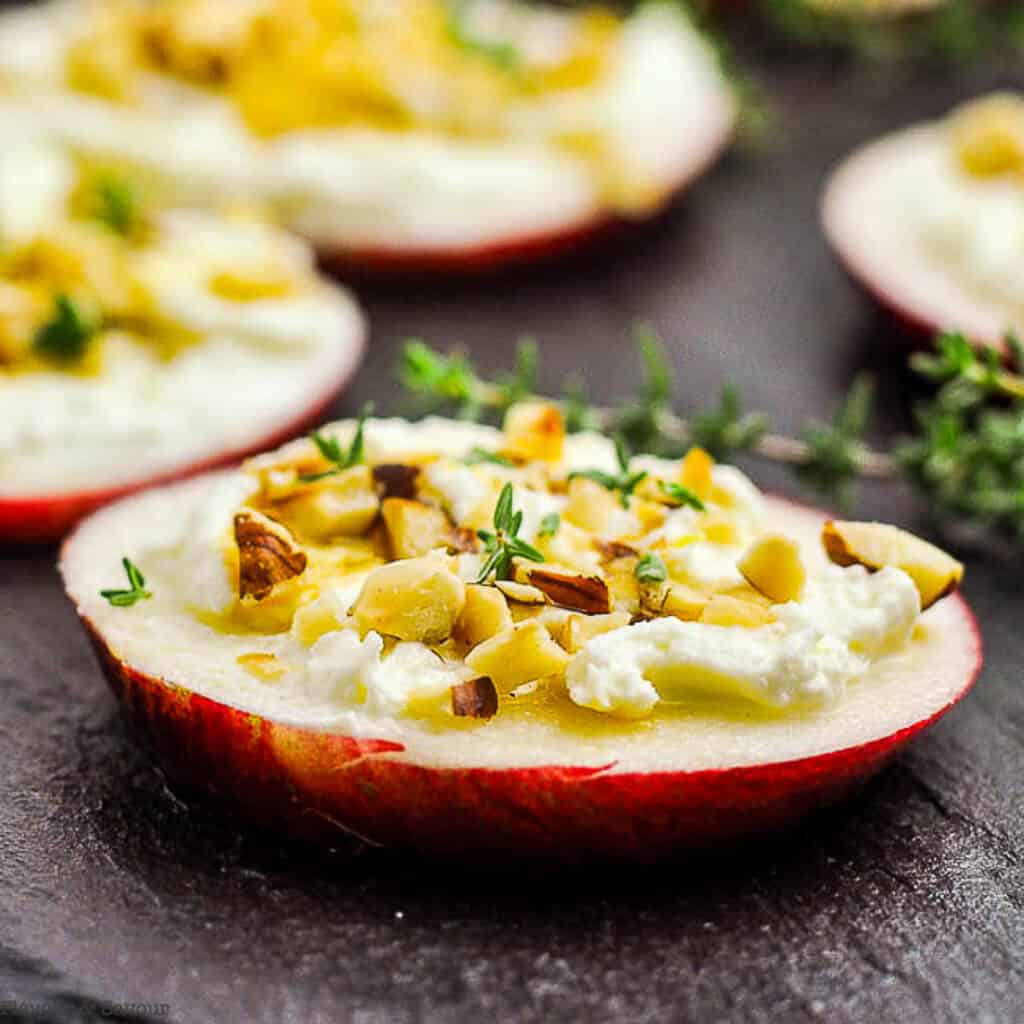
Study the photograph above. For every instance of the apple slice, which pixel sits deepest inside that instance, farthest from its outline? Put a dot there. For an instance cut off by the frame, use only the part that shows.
(866, 214)
(417, 200)
(520, 785)
(877, 545)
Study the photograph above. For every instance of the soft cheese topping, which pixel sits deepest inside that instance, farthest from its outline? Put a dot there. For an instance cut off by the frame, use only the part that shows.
(121, 325)
(346, 113)
(441, 570)
(969, 199)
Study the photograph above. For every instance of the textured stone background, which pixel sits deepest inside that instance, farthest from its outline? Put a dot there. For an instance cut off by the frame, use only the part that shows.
(904, 905)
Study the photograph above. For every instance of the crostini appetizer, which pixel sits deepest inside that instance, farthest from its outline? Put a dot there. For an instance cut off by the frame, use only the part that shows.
(139, 344)
(514, 642)
(931, 220)
(406, 133)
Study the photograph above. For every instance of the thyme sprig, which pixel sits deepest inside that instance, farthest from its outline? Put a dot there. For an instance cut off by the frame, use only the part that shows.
(64, 338)
(965, 456)
(503, 543)
(331, 450)
(826, 453)
(117, 203)
(136, 591)
(623, 483)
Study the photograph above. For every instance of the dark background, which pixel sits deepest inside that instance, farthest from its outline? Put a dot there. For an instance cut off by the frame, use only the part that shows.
(904, 905)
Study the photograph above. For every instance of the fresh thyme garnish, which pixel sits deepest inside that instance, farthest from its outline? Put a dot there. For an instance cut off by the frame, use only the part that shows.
(650, 569)
(65, 337)
(332, 451)
(624, 482)
(137, 587)
(503, 544)
(681, 495)
(478, 455)
(549, 525)
(965, 457)
(117, 204)
(504, 55)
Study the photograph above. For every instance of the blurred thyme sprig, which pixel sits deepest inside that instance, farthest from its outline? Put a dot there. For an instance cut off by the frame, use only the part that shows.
(957, 30)
(828, 456)
(967, 453)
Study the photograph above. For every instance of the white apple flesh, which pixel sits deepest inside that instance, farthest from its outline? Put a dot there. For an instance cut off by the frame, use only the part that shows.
(868, 226)
(522, 786)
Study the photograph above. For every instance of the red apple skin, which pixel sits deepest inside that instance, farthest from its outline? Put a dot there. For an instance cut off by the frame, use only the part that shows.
(313, 785)
(44, 518)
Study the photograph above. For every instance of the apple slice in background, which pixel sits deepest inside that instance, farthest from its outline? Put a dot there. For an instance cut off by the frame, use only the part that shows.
(931, 242)
(240, 374)
(517, 787)
(425, 198)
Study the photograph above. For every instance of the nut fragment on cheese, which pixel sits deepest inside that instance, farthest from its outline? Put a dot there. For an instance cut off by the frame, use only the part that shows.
(267, 554)
(877, 545)
(413, 599)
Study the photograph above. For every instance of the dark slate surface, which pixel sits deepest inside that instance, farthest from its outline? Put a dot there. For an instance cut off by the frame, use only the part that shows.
(904, 905)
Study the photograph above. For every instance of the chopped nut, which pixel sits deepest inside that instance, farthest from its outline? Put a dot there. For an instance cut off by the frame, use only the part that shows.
(612, 549)
(521, 593)
(534, 431)
(462, 541)
(475, 698)
(591, 506)
(344, 505)
(773, 567)
(581, 592)
(396, 480)
(579, 629)
(414, 599)
(267, 554)
(877, 545)
(695, 472)
(484, 615)
(723, 610)
(413, 528)
(518, 656)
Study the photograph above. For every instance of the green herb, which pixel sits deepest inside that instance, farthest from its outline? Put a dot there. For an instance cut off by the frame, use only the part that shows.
(624, 482)
(477, 455)
(835, 449)
(503, 54)
(65, 337)
(549, 525)
(117, 204)
(725, 430)
(650, 569)
(681, 495)
(503, 544)
(332, 451)
(137, 587)
(965, 456)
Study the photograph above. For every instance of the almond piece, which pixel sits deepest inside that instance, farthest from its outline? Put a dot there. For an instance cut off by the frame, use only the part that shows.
(475, 698)
(877, 545)
(580, 592)
(267, 554)
(396, 480)
(413, 528)
(772, 566)
(534, 432)
(521, 593)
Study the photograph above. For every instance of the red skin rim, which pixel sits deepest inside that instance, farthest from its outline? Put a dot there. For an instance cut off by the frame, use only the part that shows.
(311, 785)
(516, 250)
(42, 518)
